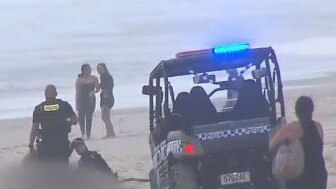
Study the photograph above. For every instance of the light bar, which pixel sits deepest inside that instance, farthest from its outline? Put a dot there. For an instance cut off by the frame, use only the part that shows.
(227, 49)
(192, 53)
(231, 48)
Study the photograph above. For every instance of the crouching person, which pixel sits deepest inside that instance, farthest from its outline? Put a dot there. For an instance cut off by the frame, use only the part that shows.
(55, 117)
(91, 161)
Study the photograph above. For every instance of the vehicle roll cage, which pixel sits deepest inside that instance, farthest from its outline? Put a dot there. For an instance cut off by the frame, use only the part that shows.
(207, 63)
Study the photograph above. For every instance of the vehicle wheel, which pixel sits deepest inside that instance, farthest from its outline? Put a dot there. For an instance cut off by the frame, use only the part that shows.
(183, 177)
(152, 180)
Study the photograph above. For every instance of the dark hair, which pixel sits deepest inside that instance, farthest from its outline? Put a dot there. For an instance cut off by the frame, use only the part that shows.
(304, 108)
(50, 91)
(105, 67)
(82, 69)
(78, 141)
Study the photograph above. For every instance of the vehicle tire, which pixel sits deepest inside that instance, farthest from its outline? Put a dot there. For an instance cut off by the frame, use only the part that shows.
(152, 180)
(183, 176)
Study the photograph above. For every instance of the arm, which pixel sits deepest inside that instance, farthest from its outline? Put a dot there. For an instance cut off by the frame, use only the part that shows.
(33, 134)
(278, 139)
(71, 115)
(110, 83)
(34, 128)
(73, 120)
(77, 93)
(97, 85)
(320, 130)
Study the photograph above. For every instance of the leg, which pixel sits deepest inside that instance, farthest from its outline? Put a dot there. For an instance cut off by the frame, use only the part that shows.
(89, 117)
(81, 118)
(64, 156)
(106, 116)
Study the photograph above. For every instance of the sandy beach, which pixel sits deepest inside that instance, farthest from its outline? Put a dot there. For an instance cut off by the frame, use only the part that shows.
(129, 154)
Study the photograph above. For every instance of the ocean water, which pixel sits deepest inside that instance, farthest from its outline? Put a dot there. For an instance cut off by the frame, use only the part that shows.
(46, 42)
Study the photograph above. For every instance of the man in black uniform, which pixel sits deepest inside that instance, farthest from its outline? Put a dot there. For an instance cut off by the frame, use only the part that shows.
(55, 118)
(91, 161)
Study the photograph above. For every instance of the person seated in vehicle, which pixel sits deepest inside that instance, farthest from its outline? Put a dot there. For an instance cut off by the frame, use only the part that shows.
(203, 111)
(234, 77)
(91, 161)
(235, 80)
(250, 103)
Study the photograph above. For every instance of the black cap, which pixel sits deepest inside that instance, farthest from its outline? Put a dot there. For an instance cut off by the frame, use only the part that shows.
(78, 141)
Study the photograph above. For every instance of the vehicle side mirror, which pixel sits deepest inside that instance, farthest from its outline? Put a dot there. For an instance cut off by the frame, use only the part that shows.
(204, 78)
(151, 90)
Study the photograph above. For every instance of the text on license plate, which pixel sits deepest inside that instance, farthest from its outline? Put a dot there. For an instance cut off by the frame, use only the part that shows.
(235, 178)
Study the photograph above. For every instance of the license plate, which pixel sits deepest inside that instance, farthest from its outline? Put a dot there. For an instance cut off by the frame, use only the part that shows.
(235, 178)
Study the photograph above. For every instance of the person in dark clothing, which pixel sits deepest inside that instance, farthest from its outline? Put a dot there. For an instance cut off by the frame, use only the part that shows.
(203, 111)
(87, 86)
(91, 161)
(250, 103)
(55, 118)
(315, 174)
(234, 77)
(106, 98)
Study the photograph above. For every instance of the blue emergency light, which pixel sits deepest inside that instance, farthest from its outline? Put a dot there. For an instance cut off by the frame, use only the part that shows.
(234, 48)
(222, 50)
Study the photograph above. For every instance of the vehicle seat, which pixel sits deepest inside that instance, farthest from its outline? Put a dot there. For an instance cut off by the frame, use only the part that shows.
(203, 111)
(173, 122)
(181, 105)
(250, 103)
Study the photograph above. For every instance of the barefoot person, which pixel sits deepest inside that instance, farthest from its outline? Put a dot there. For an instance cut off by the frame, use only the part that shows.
(87, 86)
(55, 118)
(106, 98)
(314, 175)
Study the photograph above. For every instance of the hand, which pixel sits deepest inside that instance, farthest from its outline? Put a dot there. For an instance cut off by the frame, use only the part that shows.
(68, 121)
(92, 93)
(31, 147)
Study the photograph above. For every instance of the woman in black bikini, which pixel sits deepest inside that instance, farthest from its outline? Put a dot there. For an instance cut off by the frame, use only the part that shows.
(87, 86)
(106, 98)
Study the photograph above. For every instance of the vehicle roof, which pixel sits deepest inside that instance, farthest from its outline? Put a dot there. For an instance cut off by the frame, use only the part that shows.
(210, 62)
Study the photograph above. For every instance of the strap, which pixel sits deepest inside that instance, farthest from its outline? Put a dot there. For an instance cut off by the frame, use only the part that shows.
(300, 130)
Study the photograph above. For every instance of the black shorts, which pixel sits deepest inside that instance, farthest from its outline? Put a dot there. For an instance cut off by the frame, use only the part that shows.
(106, 100)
